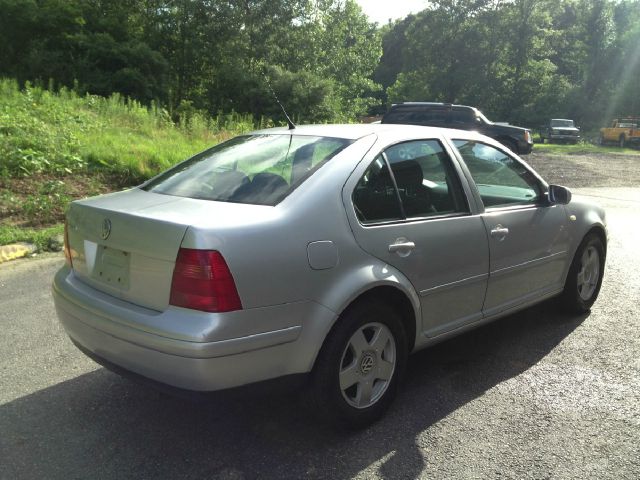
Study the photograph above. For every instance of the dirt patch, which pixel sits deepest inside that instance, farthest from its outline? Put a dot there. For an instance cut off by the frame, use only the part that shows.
(587, 170)
(41, 200)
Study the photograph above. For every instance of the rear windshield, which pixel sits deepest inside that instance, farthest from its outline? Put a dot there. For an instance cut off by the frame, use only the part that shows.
(257, 169)
(562, 123)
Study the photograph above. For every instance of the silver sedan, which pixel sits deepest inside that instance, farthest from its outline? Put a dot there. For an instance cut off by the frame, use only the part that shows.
(327, 251)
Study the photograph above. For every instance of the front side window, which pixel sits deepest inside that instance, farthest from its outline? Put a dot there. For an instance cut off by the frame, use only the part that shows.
(257, 169)
(500, 178)
(409, 180)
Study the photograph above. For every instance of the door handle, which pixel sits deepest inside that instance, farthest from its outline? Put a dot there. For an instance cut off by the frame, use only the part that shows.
(402, 247)
(499, 232)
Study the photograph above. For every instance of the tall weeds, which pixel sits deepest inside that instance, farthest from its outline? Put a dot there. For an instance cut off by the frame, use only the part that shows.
(62, 132)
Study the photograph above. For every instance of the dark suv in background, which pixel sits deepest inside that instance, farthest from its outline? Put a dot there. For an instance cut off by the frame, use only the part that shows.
(446, 115)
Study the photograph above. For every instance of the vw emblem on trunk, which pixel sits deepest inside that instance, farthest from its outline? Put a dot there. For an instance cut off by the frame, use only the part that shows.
(106, 228)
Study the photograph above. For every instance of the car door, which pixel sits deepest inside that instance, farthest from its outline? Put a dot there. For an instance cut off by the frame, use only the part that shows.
(528, 237)
(412, 212)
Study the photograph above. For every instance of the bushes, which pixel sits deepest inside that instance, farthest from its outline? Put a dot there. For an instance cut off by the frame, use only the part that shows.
(61, 133)
(36, 134)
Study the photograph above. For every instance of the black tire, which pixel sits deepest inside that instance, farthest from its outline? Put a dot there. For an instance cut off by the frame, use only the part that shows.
(331, 402)
(578, 297)
(601, 140)
(621, 141)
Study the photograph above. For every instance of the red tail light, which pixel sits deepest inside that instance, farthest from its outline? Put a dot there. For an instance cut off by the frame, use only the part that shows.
(67, 247)
(202, 281)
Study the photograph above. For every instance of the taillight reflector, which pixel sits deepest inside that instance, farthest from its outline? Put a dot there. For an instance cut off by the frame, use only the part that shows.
(67, 247)
(202, 281)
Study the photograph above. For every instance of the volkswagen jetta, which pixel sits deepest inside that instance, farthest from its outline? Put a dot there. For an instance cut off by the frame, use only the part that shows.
(332, 251)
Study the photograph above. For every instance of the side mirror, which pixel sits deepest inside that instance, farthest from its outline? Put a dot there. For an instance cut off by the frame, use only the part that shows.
(559, 195)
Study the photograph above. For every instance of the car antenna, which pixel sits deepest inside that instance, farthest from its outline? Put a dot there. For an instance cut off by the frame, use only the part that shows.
(292, 125)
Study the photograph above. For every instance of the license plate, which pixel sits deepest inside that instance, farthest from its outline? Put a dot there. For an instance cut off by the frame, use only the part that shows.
(112, 267)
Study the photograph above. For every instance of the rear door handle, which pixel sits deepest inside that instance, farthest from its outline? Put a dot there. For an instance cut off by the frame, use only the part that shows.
(499, 232)
(402, 247)
(394, 247)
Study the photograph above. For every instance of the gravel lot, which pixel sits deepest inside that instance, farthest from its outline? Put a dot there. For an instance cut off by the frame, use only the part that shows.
(593, 170)
(535, 395)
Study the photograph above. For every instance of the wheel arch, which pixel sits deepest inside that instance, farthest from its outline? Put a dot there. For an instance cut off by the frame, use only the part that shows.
(601, 233)
(509, 142)
(399, 301)
(391, 293)
(596, 229)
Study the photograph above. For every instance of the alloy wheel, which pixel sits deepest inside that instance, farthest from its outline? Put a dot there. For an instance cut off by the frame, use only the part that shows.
(367, 365)
(589, 273)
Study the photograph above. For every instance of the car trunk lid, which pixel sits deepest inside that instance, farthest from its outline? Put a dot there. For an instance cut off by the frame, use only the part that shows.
(125, 244)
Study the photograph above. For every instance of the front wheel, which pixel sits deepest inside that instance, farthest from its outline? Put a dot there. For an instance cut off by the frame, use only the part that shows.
(358, 369)
(585, 276)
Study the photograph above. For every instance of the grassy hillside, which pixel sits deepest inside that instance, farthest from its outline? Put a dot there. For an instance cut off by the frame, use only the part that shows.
(58, 146)
(63, 133)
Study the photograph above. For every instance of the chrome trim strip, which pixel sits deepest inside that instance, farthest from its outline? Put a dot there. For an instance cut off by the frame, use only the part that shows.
(457, 283)
(529, 264)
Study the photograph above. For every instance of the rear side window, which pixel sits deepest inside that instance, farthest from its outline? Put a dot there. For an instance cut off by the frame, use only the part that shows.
(462, 116)
(407, 181)
(417, 116)
(375, 198)
(257, 169)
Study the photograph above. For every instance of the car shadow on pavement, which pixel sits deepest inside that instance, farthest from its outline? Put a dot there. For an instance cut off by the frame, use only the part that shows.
(99, 425)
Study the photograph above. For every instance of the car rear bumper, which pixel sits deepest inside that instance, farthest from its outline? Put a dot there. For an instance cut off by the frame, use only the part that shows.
(190, 365)
(525, 148)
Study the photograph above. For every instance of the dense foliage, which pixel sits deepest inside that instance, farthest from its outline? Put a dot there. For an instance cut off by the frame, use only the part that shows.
(519, 60)
(200, 54)
(522, 61)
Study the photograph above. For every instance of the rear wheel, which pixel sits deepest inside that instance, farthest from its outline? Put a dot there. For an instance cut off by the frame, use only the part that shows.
(358, 369)
(622, 141)
(585, 276)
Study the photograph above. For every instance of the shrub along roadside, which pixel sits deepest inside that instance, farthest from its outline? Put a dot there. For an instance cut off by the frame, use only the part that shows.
(41, 238)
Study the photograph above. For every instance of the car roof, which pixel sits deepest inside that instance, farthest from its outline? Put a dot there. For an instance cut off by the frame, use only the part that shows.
(432, 104)
(356, 131)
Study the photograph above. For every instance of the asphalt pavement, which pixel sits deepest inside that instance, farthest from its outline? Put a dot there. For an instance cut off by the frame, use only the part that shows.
(535, 395)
